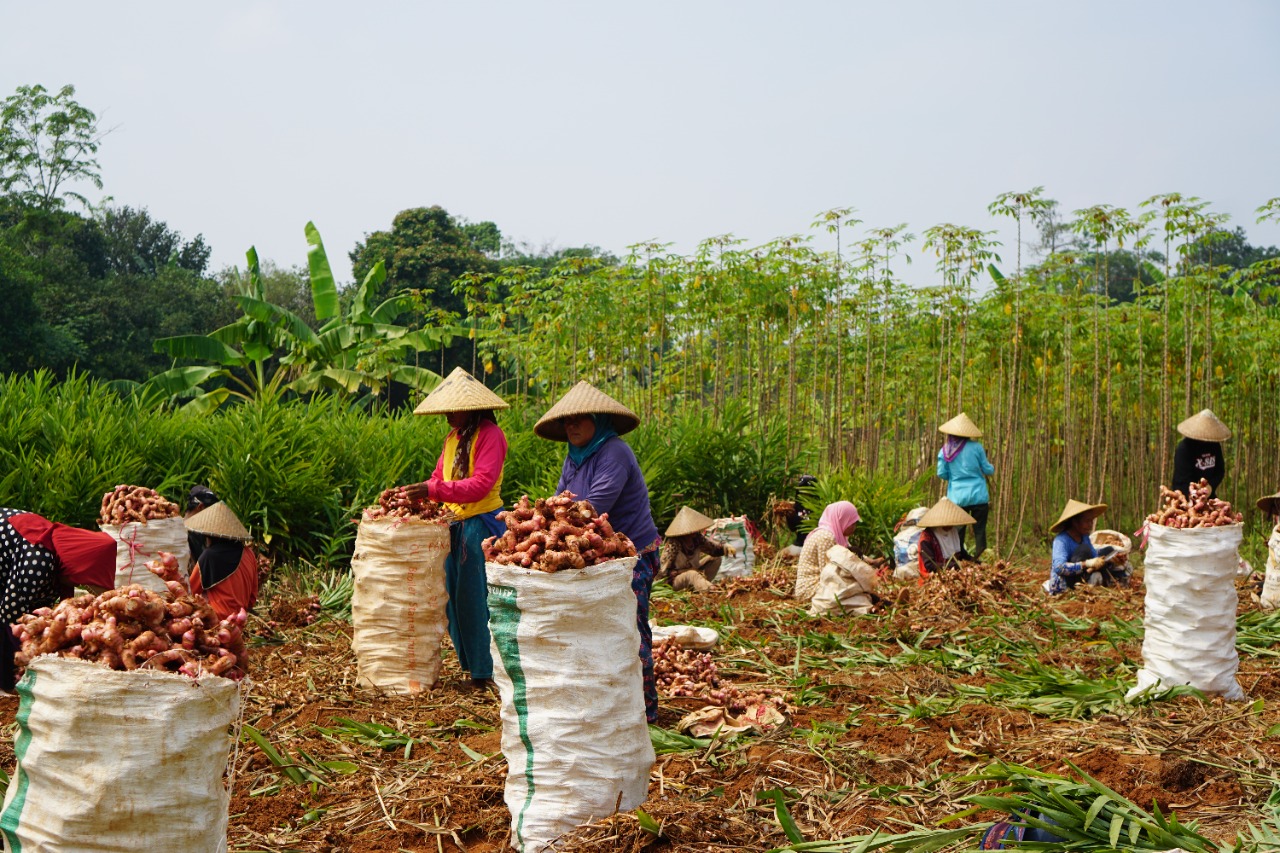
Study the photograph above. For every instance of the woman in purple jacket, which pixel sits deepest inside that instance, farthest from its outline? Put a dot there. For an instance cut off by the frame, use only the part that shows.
(601, 468)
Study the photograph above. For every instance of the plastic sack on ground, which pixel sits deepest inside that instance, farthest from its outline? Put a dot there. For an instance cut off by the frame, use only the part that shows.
(906, 542)
(566, 655)
(1190, 608)
(845, 584)
(734, 532)
(138, 543)
(119, 762)
(686, 636)
(398, 603)
(1270, 598)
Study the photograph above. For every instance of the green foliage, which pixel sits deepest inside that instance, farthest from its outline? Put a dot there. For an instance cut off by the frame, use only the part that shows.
(270, 350)
(881, 499)
(298, 473)
(721, 466)
(46, 142)
(425, 251)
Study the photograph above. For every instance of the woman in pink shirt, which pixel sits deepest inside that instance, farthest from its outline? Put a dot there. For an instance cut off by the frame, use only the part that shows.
(468, 479)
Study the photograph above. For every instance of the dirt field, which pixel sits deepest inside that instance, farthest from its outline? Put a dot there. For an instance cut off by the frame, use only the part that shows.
(889, 713)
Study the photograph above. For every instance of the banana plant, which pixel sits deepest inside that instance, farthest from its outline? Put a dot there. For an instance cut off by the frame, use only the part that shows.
(270, 351)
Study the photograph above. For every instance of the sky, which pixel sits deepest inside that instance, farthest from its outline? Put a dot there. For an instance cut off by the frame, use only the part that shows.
(610, 124)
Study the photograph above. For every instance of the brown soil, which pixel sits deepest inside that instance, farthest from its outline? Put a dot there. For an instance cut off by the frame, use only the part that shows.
(867, 746)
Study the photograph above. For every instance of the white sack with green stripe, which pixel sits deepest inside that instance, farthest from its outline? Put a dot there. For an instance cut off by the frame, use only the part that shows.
(566, 654)
(119, 762)
(398, 603)
(1190, 619)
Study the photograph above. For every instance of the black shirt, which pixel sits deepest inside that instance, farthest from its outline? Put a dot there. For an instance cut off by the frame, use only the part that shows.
(1194, 459)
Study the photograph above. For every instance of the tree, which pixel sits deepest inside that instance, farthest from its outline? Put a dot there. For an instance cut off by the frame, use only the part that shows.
(425, 251)
(62, 255)
(136, 244)
(46, 142)
(546, 257)
(1221, 247)
(270, 350)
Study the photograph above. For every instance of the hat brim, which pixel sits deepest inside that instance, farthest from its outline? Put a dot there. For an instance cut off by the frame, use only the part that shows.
(460, 392)
(687, 521)
(218, 521)
(1270, 504)
(961, 427)
(1204, 426)
(584, 399)
(945, 513)
(1092, 511)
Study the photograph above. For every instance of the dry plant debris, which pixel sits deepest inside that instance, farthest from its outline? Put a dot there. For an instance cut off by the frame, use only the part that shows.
(883, 733)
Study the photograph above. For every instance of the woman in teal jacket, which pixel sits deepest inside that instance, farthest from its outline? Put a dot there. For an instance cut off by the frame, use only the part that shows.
(962, 462)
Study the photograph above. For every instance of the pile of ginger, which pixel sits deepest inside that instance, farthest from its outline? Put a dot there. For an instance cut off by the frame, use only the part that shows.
(135, 628)
(553, 534)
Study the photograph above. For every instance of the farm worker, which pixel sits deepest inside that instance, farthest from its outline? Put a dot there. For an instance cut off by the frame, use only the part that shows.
(602, 469)
(226, 572)
(1270, 597)
(1074, 557)
(40, 562)
(962, 462)
(1199, 454)
(835, 526)
(468, 479)
(200, 497)
(940, 542)
(689, 559)
(797, 515)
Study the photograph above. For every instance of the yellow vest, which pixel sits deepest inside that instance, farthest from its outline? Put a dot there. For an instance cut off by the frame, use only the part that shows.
(489, 502)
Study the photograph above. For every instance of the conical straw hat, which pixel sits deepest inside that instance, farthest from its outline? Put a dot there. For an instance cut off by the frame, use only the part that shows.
(688, 521)
(585, 399)
(459, 392)
(1204, 426)
(945, 514)
(1075, 508)
(1270, 504)
(219, 521)
(961, 426)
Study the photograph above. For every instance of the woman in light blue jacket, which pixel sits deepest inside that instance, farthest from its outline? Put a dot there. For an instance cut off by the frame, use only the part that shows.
(962, 462)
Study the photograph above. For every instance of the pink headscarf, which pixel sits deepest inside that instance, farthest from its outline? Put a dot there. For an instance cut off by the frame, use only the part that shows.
(838, 516)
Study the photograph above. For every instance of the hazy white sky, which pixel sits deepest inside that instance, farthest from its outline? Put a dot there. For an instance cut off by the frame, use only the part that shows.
(611, 123)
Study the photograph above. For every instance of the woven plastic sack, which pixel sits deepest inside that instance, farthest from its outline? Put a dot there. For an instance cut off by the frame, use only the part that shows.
(733, 531)
(906, 543)
(1190, 620)
(398, 603)
(138, 543)
(1270, 597)
(844, 586)
(119, 762)
(685, 636)
(567, 665)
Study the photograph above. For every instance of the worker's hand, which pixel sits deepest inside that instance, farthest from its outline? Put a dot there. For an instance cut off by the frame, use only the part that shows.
(730, 551)
(1095, 563)
(419, 491)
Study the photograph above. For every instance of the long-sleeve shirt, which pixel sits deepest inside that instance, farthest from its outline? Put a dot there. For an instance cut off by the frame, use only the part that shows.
(966, 475)
(238, 590)
(813, 556)
(479, 491)
(611, 479)
(1193, 459)
(28, 573)
(1067, 567)
(937, 546)
(675, 559)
